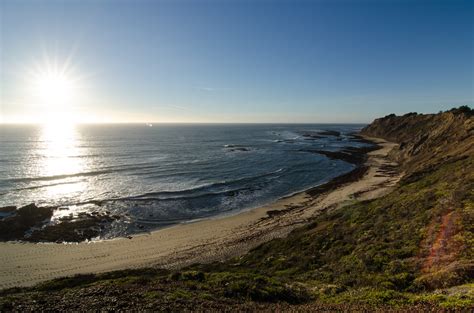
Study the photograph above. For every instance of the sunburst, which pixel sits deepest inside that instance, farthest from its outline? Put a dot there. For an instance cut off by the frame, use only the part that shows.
(54, 90)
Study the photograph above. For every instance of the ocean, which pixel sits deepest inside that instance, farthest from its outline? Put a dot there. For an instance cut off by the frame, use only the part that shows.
(158, 175)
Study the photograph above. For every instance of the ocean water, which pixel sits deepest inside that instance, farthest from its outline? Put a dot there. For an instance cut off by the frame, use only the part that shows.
(157, 175)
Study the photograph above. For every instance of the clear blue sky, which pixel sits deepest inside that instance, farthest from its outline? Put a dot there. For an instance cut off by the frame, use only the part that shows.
(242, 61)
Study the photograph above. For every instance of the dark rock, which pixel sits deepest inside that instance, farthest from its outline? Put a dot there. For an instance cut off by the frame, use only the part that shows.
(240, 149)
(330, 133)
(35, 219)
(14, 227)
(309, 135)
(70, 231)
(234, 148)
(8, 209)
(352, 155)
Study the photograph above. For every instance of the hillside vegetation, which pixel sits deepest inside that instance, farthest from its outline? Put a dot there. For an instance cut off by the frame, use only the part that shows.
(410, 249)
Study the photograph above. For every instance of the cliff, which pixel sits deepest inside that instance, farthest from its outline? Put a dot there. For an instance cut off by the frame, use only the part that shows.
(427, 140)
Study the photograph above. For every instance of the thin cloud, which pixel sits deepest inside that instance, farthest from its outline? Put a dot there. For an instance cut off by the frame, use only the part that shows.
(208, 89)
(178, 107)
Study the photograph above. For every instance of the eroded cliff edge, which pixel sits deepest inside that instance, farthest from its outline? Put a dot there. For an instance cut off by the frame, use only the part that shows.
(427, 140)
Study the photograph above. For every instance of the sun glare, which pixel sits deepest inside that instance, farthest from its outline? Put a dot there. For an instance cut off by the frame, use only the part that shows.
(54, 89)
(54, 92)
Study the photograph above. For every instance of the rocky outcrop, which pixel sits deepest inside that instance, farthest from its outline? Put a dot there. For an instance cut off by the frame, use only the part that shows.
(23, 219)
(33, 223)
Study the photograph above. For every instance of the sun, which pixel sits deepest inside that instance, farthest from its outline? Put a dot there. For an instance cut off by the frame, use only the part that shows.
(54, 90)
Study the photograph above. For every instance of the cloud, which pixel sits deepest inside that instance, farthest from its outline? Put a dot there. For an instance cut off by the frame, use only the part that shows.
(177, 107)
(208, 89)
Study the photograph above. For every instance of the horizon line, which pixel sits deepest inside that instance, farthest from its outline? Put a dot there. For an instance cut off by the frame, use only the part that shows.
(186, 123)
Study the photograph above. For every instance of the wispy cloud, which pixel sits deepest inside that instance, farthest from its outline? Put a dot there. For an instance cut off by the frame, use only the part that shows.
(177, 107)
(208, 89)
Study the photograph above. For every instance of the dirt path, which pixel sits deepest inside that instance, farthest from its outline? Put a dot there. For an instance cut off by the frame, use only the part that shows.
(439, 250)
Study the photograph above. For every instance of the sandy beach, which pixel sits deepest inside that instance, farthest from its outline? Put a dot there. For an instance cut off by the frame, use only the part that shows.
(25, 264)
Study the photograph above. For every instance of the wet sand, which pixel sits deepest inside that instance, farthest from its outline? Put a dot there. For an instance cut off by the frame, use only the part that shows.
(25, 264)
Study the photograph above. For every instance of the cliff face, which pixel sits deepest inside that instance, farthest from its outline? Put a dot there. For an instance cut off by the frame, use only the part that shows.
(427, 140)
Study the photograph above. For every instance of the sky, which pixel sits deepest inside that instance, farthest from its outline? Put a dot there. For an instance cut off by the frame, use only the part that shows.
(233, 60)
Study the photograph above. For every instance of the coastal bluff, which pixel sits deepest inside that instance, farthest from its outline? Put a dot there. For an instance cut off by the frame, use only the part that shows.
(427, 140)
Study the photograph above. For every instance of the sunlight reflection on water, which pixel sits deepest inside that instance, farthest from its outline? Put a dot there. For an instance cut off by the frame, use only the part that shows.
(60, 155)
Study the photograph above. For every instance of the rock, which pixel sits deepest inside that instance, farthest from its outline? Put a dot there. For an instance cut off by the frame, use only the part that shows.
(34, 221)
(240, 149)
(329, 133)
(8, 209)
(310, 135)
(14, 227)
(352, 155)
(234, 148)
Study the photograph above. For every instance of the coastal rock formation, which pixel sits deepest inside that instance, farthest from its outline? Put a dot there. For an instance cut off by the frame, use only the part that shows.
(33, 223)
(14, 226)
(234, 148)
(329, 133)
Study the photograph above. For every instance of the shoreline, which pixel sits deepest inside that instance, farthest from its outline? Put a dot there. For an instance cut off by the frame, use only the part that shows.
(18, 222)
(201, 241)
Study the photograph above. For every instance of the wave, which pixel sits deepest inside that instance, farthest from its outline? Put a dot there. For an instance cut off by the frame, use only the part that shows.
(155, 196)
(81, 174)
(207, 190)
(103, 170)
(47, 185)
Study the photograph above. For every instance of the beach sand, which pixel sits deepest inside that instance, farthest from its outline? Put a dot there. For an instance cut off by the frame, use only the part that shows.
(25, 264)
